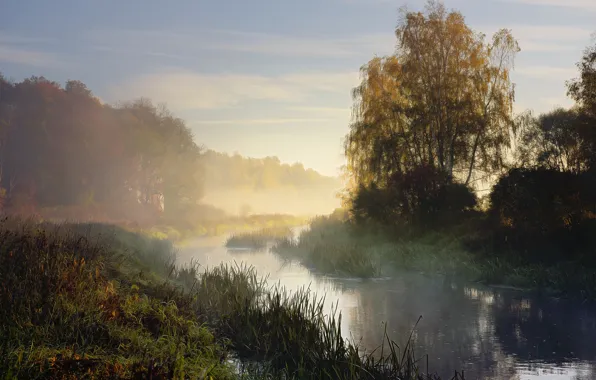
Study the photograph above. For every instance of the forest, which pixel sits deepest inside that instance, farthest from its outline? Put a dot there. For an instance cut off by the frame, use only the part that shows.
(66, 155)
(225, 172)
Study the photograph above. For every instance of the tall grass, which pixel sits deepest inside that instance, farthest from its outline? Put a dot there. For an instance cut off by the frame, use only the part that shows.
(331, 246)
(67, 310)
(290, 334)
(258, 239)
(96, 301)
(218, 227)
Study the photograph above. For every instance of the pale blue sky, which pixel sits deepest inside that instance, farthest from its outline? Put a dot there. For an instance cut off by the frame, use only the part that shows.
(266, 77)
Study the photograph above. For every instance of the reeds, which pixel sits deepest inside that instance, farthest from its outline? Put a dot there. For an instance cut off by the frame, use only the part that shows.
(258, 239)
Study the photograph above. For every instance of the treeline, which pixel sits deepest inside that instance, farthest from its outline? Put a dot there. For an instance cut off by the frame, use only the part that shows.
(61, 147)
(66, 155)
(235, 172)
(435, 121)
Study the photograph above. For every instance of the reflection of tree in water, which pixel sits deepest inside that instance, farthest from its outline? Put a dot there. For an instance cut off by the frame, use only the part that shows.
(552, 331)
(484, 332)
(453, 331)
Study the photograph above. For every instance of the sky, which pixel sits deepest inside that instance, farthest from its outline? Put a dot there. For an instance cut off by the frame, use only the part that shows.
(267, 77)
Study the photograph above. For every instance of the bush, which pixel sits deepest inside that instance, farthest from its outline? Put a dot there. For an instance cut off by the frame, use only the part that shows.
(542, 200)
(543, 214)
(424, 197)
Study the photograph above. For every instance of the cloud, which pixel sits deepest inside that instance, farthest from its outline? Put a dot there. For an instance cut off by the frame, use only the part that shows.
(12, 39)
(556, 102)
(13, 50)
(579, 4)
(327, 111)
(21, 56)
(260, 121)
(547, 72)
(288, 115)
(186, 90)
(179, 43)
(544, 38)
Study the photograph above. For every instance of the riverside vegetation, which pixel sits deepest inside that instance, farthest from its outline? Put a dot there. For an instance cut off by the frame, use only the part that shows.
(340, 247)
(258, 239)
(426, 139)
(97, 301)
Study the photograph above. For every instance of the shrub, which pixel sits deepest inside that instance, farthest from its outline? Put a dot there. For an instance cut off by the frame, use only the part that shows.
(424, 197)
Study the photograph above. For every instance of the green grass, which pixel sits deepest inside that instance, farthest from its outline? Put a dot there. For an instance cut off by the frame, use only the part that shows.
(337, 247)
(97, 301)
(174, 229)
(77, 304)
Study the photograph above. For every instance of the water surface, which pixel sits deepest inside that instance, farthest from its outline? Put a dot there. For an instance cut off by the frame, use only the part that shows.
(489, 333)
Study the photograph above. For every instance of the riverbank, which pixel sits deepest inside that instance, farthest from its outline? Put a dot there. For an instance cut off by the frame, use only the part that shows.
(100, 301)
(205, 221)
(230, 225)
(335, 246)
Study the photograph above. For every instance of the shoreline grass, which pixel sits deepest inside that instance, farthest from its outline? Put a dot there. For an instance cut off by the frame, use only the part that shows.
(181, 233)
(337, 247)
(98, 301)
(258, 238)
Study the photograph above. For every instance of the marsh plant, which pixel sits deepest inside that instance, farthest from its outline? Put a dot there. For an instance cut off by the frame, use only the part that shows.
(258, 239)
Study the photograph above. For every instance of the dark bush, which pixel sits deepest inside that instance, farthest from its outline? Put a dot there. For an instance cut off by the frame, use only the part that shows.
(543, 214)
(424, 197)
(543, 200)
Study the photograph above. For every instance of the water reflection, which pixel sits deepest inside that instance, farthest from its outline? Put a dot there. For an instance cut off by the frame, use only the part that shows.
(490, 333)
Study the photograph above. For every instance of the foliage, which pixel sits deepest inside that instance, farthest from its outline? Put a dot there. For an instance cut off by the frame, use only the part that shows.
(465, 250)
(423, 197)
(562, 140)
(225, 171)
(331, 246)
(583, 89)
(129, 159)
(444, 100)
(134, 162)
(543, 199)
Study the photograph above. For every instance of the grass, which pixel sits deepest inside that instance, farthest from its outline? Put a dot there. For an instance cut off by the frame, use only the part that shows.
(96, 301)
(332, 247)
(258, 239)
(337, 247)
(179, 229)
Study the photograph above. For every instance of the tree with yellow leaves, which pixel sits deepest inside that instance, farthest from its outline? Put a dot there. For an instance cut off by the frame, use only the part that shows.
(443, 100)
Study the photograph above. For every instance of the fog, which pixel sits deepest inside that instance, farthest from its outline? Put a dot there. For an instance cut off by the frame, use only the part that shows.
(285, 200)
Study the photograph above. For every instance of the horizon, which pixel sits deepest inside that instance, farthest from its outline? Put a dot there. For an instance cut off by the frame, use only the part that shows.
(266, 85)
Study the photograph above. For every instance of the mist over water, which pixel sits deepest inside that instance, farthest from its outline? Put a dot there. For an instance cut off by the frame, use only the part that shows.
(313, 201)
(490, 333)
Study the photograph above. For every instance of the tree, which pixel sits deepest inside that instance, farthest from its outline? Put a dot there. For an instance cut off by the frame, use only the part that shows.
(561, 140)
(583, 89)
(60, 147)
(443, 100)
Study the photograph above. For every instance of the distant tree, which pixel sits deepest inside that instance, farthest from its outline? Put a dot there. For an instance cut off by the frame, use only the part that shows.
(237, 172)
(61, 147)
(583, 89)
(562, 140)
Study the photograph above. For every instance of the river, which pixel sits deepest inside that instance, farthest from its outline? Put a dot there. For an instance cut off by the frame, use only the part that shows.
(490, 333)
